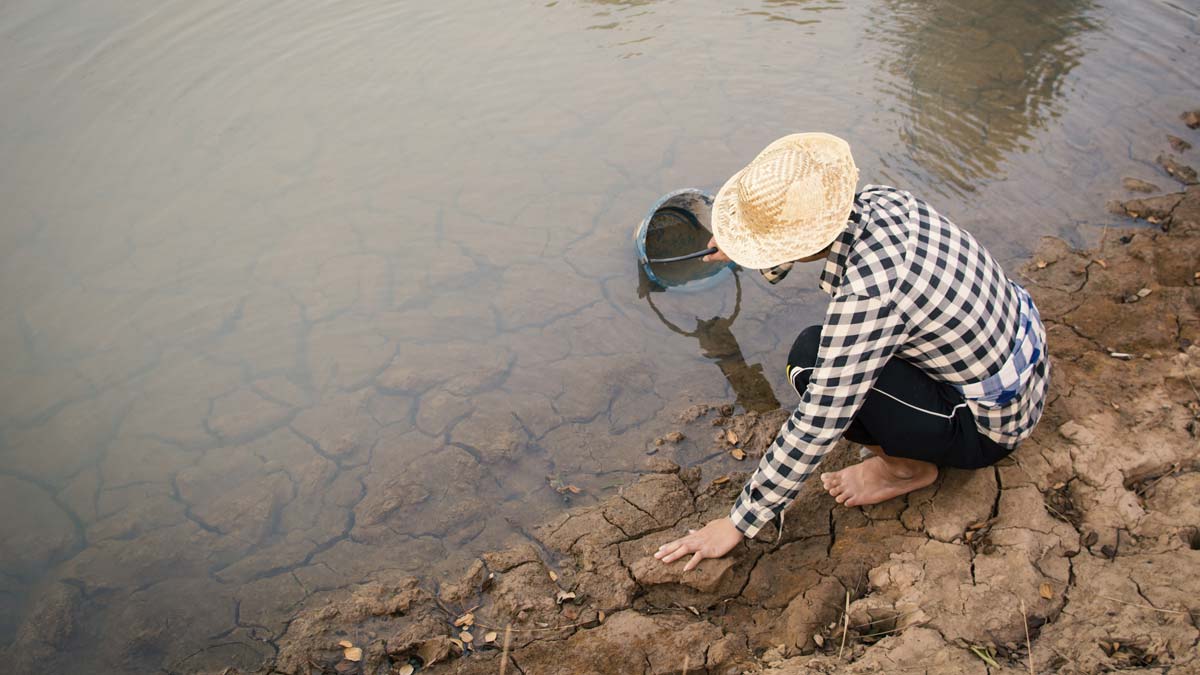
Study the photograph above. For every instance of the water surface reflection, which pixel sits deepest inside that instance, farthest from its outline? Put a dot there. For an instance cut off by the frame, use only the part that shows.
(978, 78)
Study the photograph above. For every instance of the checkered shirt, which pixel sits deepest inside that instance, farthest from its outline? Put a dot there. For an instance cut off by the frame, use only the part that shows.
(905, 282)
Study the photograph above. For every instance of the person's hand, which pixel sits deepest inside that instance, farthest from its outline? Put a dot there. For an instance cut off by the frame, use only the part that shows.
(719, 256)
(712, 541)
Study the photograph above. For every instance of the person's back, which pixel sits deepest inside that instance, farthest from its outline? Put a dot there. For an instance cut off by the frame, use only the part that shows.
(929, 356)
(963, 314)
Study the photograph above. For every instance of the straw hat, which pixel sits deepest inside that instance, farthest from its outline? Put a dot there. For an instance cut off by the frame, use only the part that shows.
(790, 202)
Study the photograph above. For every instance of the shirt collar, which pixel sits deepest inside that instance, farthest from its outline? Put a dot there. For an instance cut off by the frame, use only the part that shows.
(839, 251)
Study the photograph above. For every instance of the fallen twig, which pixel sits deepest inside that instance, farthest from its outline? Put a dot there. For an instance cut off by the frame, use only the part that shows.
(890, 618)
(1146, 486)
(883, 632)
(1028, 642)
(1193, 386)
(1144, 606)
(504, 654)
(548, 629)
(845, 624)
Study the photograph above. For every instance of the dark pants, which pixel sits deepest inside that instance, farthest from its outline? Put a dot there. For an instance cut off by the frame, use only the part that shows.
(907, 413)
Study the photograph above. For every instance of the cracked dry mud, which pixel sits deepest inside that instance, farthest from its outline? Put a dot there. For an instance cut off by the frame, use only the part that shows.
(1087, 536)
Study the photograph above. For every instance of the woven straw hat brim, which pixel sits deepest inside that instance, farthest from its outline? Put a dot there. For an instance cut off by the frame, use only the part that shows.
(755, 248)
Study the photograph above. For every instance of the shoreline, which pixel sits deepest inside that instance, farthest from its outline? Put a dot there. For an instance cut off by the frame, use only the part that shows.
(1083, 547)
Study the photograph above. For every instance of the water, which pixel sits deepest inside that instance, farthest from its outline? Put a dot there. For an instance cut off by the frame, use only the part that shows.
(294, 292)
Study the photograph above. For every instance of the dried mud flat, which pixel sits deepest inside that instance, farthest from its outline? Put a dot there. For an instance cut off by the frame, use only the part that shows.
(1083, 544)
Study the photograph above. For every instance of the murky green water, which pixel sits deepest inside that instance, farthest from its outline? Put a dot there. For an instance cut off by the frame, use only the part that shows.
(293, 292)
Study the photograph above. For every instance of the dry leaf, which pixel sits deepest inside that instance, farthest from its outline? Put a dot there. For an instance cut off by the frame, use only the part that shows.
(573, 490)
(345, 644)
(1046, 592)
(731, 437)
(600, 617)
(1101, 262)
(738, 454)
(353, 654)
(464, 620)
(819, 639)
(489, 636)
(466, 637)
(457, 643)
(1041, 264)
(406, 669)
(720, 481)
(563, 596)
(434, 649)
(553, 575)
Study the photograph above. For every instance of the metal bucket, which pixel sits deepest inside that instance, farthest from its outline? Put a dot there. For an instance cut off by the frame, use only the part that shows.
(678, 224)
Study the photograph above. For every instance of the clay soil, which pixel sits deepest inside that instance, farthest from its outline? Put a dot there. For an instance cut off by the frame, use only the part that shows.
(1078, 553)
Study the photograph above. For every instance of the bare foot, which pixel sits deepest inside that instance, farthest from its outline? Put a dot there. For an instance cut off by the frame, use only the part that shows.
(874, 480)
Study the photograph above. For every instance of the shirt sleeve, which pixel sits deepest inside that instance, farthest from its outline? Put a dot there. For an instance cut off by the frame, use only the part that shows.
(858, 337)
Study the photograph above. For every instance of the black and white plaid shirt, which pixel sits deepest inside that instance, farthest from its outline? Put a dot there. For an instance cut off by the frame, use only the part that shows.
(905, 282)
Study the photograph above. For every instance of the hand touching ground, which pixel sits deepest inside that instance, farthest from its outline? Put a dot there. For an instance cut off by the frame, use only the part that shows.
(712, 541)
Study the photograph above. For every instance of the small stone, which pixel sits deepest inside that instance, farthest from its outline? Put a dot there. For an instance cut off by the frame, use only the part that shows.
(1180, 172)
(661, 465)
(1191, 118)
(774, 654)
(1144, 292)
(1178, 144)
(674, 437)
(1137, 185)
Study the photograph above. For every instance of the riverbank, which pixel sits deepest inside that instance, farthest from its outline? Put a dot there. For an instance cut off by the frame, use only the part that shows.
(1079, 553)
